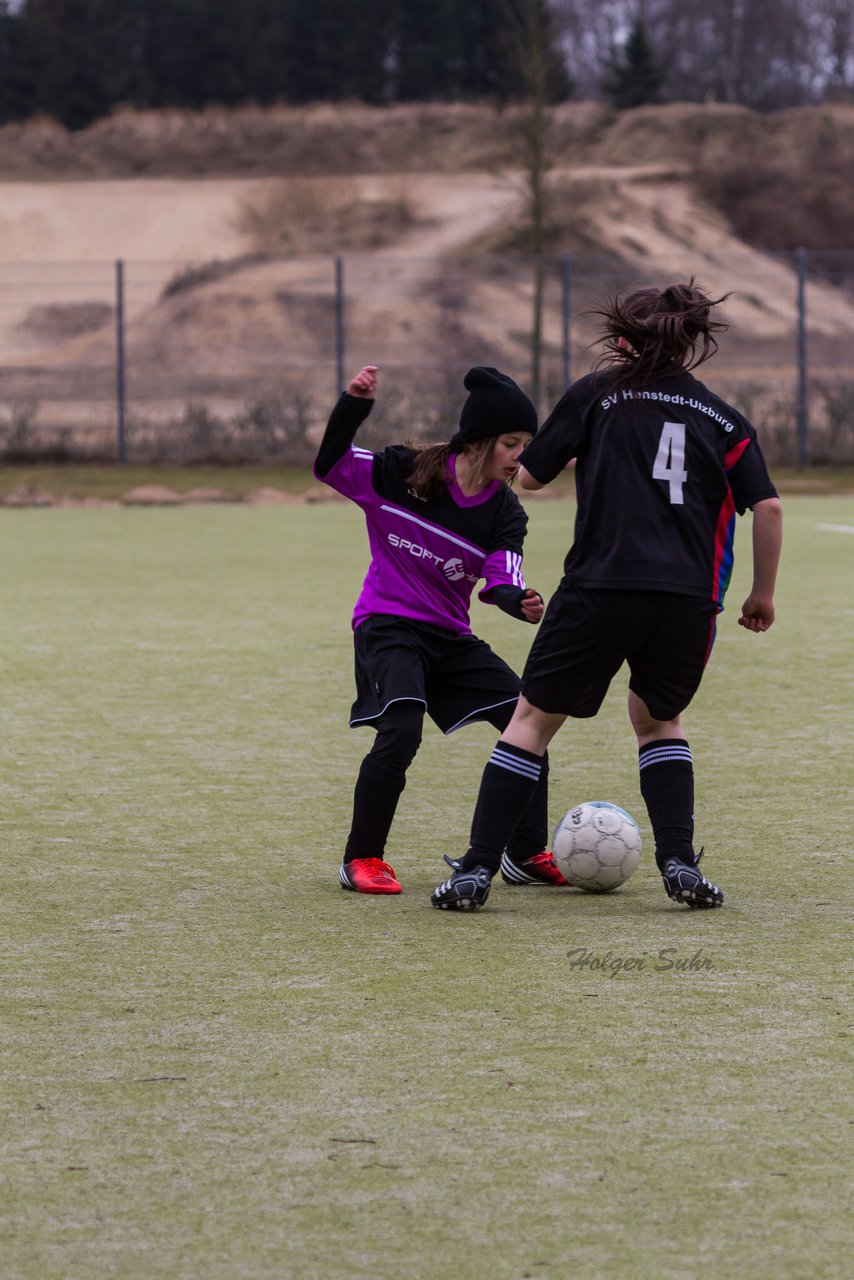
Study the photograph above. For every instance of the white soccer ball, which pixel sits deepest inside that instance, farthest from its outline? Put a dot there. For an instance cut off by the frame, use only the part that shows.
(597, 846)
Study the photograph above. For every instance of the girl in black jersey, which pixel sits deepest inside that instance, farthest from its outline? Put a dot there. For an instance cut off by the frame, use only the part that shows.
(439, 520)
(662, 467)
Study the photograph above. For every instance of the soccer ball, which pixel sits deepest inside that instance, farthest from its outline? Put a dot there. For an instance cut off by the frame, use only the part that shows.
(597, 846)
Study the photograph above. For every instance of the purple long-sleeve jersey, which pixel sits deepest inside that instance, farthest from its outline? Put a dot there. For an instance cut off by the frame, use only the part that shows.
(427, 556)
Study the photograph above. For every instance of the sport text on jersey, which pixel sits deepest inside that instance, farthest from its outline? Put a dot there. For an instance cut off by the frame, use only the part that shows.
(666, 398)
(453, 569)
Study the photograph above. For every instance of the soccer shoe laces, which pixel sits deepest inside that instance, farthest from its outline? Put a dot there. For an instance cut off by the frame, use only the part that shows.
(464, 891)
(375, 867)
(684, 883)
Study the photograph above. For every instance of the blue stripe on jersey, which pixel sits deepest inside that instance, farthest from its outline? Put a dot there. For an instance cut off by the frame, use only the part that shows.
(727, 560)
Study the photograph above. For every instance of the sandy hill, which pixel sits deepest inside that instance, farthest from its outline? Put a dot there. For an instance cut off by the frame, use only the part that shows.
(349, 138)
(263, 194)
(171, 185)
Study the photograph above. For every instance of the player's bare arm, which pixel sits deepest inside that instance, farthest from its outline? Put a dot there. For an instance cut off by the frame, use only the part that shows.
(757, 612)
(527, 481)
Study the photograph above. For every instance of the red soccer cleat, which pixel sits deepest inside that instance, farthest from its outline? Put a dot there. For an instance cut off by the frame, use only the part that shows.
(368, 875)
(541, 869)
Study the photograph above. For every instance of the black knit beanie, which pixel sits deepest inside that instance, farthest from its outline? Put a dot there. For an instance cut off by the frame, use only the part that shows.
(496, 406)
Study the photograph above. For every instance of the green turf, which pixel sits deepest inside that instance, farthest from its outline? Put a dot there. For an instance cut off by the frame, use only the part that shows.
(216, 1064)
(110, 481)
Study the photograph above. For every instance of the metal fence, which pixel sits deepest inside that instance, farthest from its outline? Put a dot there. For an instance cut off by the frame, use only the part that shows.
(155, 361)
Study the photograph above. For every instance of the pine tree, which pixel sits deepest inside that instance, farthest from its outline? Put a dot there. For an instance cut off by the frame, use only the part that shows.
(20, 65)
(635, 79)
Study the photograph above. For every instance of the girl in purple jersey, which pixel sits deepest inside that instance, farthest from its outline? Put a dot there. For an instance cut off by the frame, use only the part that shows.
(662, 467)
(439, 519)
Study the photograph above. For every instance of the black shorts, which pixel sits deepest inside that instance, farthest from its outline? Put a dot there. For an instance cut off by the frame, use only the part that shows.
(588, 633)
(457, 678)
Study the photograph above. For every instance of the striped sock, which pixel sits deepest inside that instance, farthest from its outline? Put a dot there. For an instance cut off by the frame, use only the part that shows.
(510, 779)
(667, 786)
(532, 833)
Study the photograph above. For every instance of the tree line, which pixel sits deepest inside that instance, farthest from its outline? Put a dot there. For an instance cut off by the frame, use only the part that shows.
(76, 60)
(764, 54)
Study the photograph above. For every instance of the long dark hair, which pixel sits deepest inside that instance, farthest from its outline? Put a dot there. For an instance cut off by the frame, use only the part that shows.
(650, 332)
(429, 470)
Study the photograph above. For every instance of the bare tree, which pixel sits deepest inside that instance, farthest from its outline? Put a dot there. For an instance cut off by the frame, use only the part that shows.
(592, 36)
(539, 64)
(829, 28)
(759, 53)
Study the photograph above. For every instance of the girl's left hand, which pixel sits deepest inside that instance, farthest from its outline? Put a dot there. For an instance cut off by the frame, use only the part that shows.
(532, 605)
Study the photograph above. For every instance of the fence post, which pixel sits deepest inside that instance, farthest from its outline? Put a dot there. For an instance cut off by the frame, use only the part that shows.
(339, 324)
(564, 297)
(120, 360)
(803, 422)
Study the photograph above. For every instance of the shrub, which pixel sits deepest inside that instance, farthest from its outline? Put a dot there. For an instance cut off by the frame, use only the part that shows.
(783, 199)
(317, 215)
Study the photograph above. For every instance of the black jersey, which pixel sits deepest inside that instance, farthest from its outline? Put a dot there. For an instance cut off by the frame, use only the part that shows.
(660, 474)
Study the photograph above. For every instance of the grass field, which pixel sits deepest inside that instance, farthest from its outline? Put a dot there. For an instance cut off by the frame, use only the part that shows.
(216, 1064)
(110, 482)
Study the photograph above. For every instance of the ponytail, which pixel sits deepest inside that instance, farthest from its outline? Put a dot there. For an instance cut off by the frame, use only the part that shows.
(651, 332)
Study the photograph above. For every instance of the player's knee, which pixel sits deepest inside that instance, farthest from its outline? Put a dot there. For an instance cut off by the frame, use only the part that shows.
(647, 726)
(499, 717)
(399, 735)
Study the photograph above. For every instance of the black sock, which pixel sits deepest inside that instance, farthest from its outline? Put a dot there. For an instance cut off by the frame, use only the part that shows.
(378, 789)
(667, 786)
(532, 834)
(509, 782)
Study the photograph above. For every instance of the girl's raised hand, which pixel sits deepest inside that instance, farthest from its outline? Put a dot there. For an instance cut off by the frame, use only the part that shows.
(365, 383)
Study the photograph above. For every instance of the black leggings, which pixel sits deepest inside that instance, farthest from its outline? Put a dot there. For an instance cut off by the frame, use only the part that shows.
(382, 778)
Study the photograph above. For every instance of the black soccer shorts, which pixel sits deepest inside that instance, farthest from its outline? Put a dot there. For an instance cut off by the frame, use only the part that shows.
(457, 678)
(588, 633)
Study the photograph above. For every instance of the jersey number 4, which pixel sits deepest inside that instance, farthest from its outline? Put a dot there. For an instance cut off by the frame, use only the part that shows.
(669, 462)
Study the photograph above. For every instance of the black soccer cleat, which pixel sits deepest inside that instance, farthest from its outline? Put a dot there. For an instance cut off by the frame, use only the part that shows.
(686, 884)
(465, 891)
